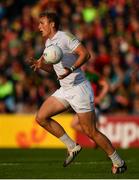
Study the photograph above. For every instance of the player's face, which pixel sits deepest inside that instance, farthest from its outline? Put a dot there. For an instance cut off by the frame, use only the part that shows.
(45, 26)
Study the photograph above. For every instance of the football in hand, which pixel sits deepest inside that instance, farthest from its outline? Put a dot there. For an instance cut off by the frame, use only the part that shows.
(52, 54)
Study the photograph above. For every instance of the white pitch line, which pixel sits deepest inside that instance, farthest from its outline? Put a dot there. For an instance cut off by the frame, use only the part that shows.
(92, 162)
(76, 163)
(9, 164)
(96, 162)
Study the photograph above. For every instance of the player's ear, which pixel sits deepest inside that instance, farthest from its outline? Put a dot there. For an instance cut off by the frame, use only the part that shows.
(53, 24)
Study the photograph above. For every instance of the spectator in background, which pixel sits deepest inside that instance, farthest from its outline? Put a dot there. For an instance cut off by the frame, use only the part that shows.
(6, 93)
(3, 108)
(2, 10)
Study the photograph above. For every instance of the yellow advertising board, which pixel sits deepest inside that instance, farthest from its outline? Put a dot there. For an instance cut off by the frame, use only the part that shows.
(21, 131)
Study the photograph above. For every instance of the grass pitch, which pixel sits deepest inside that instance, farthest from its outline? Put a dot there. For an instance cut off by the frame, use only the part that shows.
(47, 164)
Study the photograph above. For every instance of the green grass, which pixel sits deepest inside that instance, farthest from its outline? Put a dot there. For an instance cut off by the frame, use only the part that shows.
(47, 164)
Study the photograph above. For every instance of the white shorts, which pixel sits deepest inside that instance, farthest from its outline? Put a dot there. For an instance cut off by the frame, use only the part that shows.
(79, 97)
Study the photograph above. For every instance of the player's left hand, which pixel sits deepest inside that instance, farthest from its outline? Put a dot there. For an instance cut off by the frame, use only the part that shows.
(67, 72)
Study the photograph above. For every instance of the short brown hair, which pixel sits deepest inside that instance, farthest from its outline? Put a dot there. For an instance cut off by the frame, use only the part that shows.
(52, 17)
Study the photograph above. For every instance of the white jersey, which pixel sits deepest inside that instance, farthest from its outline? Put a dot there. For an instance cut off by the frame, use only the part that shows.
(68, 43)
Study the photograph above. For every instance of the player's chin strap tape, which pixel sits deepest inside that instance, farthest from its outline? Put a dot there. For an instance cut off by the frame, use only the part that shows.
(72, 68)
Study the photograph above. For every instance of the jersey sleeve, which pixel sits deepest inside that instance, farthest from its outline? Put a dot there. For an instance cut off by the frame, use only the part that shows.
(72, 41)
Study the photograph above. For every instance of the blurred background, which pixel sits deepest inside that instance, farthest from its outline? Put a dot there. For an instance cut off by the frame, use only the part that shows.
(110, 31)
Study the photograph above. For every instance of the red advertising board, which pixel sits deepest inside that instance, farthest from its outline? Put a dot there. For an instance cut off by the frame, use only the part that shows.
(123, 131)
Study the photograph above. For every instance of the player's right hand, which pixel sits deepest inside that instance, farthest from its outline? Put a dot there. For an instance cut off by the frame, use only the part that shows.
(36, 64)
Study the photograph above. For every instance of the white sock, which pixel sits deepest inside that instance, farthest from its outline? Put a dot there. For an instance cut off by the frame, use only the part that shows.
(116, 159)
(68, 141)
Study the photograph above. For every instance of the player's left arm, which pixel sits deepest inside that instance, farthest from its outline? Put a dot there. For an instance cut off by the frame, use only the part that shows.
(83, 57)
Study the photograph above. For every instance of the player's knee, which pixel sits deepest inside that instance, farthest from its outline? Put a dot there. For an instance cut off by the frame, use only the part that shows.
(38, 120)
(41, 120)
(90, 131)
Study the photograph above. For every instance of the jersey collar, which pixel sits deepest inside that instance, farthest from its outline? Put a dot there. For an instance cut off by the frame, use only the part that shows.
(55, 36)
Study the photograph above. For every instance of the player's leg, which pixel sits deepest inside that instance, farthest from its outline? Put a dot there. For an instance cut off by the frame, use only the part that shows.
(75, 124)
(84, 107)
(88, 124)
(49, 108)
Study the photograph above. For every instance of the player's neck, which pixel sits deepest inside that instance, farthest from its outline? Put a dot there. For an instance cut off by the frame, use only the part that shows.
(52, 34)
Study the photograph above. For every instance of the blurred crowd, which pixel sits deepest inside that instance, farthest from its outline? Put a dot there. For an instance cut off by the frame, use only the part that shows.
(108, 28)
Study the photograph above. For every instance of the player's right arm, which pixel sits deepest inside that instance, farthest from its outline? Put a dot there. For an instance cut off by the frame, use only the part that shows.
(39, 64)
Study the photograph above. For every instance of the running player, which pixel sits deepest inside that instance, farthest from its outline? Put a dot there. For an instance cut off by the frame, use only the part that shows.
(75, 91)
